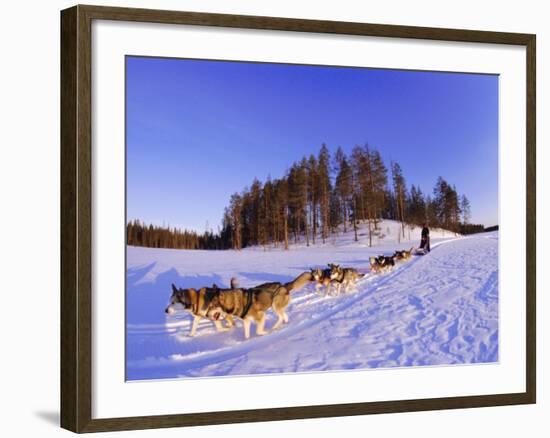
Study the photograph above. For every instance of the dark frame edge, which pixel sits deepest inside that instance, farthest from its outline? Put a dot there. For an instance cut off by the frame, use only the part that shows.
(302, 25)
(531, 219)
(76, 226)
(304, 412)
(68, 117)
(75, 106)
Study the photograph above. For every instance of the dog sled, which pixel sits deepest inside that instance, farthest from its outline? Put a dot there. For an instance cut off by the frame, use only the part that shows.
(419, 251)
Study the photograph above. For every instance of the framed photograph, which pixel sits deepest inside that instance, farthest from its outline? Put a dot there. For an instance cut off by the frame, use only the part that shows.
(270, 218)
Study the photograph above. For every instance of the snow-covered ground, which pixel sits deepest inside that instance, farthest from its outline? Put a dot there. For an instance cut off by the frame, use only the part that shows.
(437, 309)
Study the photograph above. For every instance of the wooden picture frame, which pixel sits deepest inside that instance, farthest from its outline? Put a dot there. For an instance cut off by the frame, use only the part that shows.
(76, 217)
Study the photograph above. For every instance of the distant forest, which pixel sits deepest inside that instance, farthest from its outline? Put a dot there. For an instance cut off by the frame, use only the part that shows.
(317, 196)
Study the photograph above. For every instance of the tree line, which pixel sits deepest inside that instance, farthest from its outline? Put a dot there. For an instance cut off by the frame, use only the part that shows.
(317, 197)
(152, 236)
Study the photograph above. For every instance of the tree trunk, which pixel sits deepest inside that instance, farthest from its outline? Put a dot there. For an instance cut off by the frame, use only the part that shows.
(314, 222)
(285, 222)
(307, 228)
(402, 209)
(370, 232)
(355, 217)
(345, 216)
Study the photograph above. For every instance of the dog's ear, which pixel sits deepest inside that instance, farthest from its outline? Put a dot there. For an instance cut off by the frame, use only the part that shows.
(174, 288)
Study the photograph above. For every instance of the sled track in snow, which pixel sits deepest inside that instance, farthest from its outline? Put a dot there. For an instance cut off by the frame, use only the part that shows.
(365, 289)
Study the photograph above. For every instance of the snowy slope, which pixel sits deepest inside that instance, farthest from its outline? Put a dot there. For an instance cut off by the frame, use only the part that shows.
(438, 309)
(388, 234)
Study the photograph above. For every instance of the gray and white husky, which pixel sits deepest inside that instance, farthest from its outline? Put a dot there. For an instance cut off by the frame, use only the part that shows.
(344, 277)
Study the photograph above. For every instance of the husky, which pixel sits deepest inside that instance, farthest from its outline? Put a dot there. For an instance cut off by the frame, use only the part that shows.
(403, 255)
(344, 277)
(381, 263)
(197, 302)
(251, 304)
(321, 278)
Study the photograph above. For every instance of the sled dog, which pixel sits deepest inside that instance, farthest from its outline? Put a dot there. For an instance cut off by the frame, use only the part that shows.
(403, 255)
(197, 302)
(321, 278)
(251, 304)
(381, 263)
(344, 277)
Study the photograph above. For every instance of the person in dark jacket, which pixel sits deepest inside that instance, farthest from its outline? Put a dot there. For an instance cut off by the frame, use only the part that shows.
(425, 238)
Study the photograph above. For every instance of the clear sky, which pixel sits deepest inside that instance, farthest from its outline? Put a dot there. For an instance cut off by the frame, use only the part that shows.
(198, 131)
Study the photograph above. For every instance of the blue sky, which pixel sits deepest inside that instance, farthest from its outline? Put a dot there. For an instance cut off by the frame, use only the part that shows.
(198, 131)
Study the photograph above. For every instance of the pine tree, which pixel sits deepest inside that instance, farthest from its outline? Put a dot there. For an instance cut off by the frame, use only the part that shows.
(303, 189)
(283, 197)
(324, 187)
(295, 186)
(313, 194)
(266, 213)
(255, 212)
(432, 214)
(447, 205)
(361, 171)
(343, 185)
(417, 206)
(399, 189)
(466, 211)
(379, 181)
(454, 207)
(235, 208)
(440, 202)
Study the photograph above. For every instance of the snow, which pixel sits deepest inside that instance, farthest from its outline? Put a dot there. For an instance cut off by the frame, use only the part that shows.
(438, 309)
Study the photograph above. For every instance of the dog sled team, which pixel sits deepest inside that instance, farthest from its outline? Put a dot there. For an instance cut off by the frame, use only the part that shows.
(251, 304)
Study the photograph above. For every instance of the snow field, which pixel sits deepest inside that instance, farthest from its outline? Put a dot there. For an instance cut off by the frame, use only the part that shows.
(438, 309)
